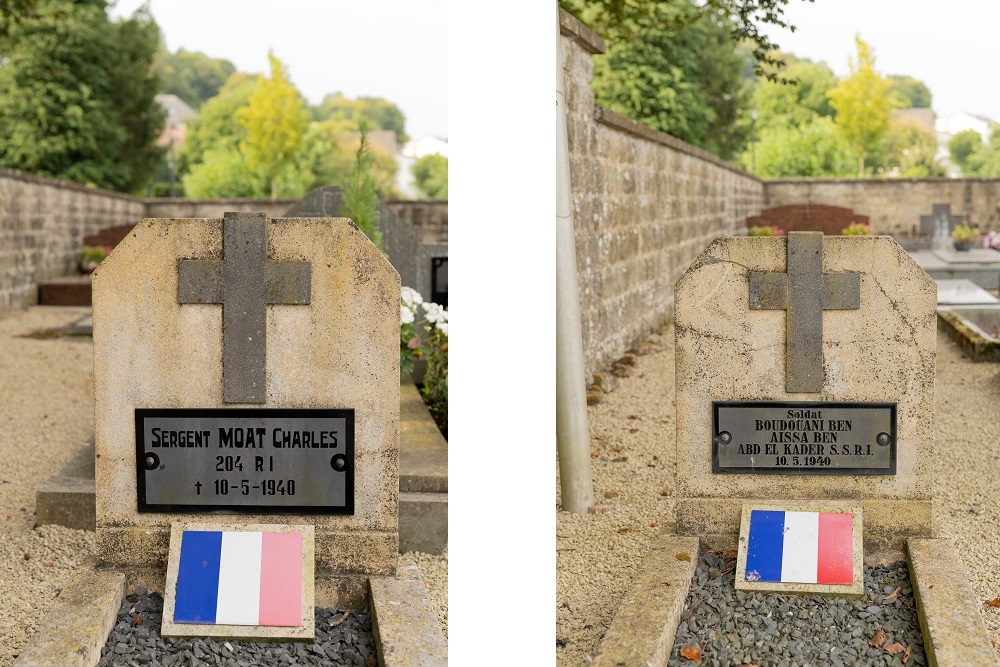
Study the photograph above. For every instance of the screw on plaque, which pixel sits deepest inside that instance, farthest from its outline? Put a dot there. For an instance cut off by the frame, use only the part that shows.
(725, 437)
(152, 461)
(883, 439)
(338, 462)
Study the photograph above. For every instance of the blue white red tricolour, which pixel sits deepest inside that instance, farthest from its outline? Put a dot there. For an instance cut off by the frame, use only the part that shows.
(239, 578)
(800, 547)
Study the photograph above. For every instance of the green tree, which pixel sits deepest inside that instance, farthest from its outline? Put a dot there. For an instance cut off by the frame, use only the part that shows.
(910, 150)
(275, 121)
(76, 98)
(909, 92)
(191, 75)
(686, 83)
(962, 147)
(862, 104)
(811, 149)
(618, 20)
(329, 154)
(431, 175)
(783, 105)
(360, 202)
(372, 112)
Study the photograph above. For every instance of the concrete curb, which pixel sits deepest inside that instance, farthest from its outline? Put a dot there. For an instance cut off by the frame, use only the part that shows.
(77, 627)
(642, 632)
(406, 629)
(950, 620)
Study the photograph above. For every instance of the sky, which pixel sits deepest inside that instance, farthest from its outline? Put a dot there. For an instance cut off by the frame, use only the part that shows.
(950, 45)
(395, 49)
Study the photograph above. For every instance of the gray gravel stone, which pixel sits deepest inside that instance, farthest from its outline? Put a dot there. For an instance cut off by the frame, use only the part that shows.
(348, 643)
(796, 630)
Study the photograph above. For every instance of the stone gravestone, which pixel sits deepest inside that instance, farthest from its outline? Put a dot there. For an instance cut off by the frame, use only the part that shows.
(940, 222)
(246, 369)
(805, 371)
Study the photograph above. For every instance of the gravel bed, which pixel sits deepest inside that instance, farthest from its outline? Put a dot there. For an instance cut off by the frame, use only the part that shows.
(136, 640)
(723, 627)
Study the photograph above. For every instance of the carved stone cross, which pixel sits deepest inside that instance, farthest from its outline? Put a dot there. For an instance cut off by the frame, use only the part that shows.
(805, 292)
(244, 281)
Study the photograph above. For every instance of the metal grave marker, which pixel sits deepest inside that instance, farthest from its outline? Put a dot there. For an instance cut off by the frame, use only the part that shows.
(804, 291)
(816, 438)
(274, 461)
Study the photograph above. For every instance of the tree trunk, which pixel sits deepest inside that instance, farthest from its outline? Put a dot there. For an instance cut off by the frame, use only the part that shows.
(274, 188)
(861, 166)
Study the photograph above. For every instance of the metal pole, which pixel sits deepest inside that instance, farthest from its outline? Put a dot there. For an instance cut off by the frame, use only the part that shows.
(170, 163)
(572, 430)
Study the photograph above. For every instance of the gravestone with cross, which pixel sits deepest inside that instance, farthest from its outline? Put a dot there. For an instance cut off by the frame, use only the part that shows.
(940, 220)
(805, 371)
(247, 369)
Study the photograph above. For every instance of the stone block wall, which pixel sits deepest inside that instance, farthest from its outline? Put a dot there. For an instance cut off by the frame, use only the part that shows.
(178, 207)
(894, 205)
(645, 205)
(430, 216)
(42, 225)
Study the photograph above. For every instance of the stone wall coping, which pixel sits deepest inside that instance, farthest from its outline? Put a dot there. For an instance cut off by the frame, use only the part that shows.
(577, 30)
(616, 120)
(65, 185)
(218, 200)
(415, 201)
(874, 181)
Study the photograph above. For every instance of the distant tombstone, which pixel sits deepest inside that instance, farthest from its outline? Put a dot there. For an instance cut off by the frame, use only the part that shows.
(432, 272)
(805, 370)
(940, 222)
(246, 370)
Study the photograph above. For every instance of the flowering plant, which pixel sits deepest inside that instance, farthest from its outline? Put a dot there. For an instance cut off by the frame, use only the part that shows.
(773, 230)
(91, 256)
(992, 241)
(856, 229)
(964, 234)
(426, 337)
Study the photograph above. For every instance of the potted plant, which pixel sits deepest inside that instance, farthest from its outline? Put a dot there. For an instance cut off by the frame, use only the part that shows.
(963, 236)
(773, 230)
(856, 229)
(92, 256)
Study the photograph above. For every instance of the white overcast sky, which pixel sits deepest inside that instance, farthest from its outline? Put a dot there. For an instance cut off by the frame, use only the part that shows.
(396, 49)
(950, 45)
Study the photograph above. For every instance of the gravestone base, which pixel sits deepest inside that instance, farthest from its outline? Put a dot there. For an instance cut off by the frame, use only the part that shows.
(888, 523)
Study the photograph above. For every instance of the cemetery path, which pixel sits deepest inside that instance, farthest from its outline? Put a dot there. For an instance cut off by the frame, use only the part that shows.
(632, 443)
(46, 414)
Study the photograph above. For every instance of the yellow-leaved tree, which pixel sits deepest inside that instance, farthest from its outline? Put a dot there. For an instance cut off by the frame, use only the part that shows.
(275, 120)
(862, 103)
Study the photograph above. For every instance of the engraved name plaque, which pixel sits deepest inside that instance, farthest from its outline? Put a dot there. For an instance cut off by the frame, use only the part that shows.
(247, 461)
(804, 438)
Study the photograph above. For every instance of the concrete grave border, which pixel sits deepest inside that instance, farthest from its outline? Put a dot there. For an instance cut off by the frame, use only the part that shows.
(854, 590)
(406, 629)
(642, 630)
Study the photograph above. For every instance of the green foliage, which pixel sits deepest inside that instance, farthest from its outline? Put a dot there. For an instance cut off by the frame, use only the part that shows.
(856, 229)
(811, 149)
(360, 202)
(370, 112)
(684, 81)
(329, 153)
(782, 105)
(618, 21)
(962, 146)
(773, 230)
(222, 172)
(862, 104)
(964, 234)
(435, 389)
(275, 121)
(909, 150)
(192, 76)
(973, 156)
(431, 175)
(216, 125)
(76, 96)
(909, 92)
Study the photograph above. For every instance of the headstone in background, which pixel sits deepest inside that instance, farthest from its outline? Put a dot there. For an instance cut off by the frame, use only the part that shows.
(805, 370)
(236, 359)
(432, 272)
(940, 222)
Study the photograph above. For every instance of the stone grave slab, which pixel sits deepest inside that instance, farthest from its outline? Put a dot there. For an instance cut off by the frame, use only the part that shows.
(240, 581)
(806, 365)
(973, 256)
(801, 548)
(247, 318)
(962, 292)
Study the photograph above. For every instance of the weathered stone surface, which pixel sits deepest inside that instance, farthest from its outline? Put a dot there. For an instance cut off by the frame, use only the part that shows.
(407, 633)
(883, 352)
(952, 627)
(642, 631)
(75, 629)
(339, 351)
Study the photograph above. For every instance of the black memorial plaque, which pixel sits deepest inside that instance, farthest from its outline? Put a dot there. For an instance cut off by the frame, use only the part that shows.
(804, 438)
(246, 461)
